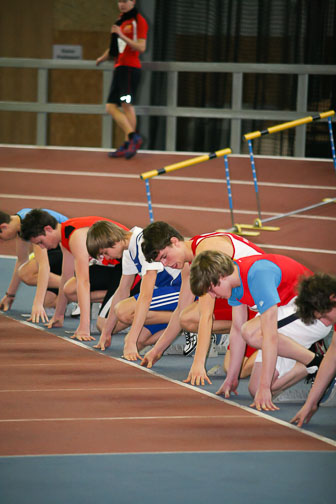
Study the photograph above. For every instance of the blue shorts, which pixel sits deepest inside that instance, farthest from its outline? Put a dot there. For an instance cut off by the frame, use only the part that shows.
(164, 299)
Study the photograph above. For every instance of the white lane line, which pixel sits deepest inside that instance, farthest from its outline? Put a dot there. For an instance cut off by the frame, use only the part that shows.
(86, 389)
(298, 249)
(195, 389)
(126, 418)
(164, 177)
(153, 152)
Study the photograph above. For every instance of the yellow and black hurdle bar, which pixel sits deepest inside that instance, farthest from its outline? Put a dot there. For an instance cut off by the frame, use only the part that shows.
(259, 222)
(146, 176)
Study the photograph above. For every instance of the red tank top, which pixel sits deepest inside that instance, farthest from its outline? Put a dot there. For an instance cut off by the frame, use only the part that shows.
(69, 226)
(196, 240)
(291, 273)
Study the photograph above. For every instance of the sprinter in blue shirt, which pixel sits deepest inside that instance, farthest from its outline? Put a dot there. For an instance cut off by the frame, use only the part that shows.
(41, 268)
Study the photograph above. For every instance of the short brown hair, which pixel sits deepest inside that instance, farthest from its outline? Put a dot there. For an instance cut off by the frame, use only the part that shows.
(207, 269)
(156, 237)
(34, 223)
(103, 234)
(314, 296)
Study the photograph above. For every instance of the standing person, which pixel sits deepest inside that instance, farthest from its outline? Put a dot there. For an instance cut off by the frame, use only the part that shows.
(42, 269)
(316, 300)
(150, 311)
(165, 244)
(128, 40)
(267, 282)
(42, 229)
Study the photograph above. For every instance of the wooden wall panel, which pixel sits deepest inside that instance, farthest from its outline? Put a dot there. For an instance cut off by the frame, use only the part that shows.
(29, 30)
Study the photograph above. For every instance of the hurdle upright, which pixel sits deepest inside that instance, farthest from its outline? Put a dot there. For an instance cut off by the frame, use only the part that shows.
(146, 176)
(259, 222)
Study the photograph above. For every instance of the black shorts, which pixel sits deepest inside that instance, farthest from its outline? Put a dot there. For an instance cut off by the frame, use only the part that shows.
(103, 312)
(124, 84)
(104, 277)
(55, 257)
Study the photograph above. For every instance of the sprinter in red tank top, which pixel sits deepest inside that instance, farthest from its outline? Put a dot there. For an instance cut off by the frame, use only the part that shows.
(46, 232)
(268, 282)
(165, 244)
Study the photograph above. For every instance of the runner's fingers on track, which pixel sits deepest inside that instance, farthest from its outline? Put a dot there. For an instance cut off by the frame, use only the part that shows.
(226, 389)
(146, 362)
(298, 420)
(132, 356)
(6, 304)
(83, 337)
(304, 415)
(263, 405)
(100, 345)
(149, 359)
(103, 343)
(54, 323)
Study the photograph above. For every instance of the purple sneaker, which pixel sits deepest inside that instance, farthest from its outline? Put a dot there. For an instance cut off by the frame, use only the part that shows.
(134, 144)
(120, 152)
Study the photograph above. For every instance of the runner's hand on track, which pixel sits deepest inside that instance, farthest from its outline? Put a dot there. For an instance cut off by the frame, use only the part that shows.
(304, 414)
(131, 352)
(228, 387)
(37, 313)
(263, 400)
(197, 375)
(6, 303)
(82, 336)
(55, 322)
(150, 358)
(104, 341)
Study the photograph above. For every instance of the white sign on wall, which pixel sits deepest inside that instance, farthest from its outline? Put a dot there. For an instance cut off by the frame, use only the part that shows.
(61, 51)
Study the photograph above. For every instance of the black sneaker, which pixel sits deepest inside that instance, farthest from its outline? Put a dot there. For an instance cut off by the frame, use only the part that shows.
(134, 144)
(190, 344)
(120, 152)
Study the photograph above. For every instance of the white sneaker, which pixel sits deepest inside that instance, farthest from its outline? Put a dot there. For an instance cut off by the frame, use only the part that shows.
(213, 347)
(217, 370)
(175, 349)
(222, 342)
(191, 342)
(95, 307)
(75, 313)
(295, 394)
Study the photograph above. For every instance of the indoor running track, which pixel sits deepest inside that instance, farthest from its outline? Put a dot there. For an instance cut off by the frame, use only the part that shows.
(80, 426)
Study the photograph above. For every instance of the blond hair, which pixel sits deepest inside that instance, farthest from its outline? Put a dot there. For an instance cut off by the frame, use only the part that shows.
(207, 269)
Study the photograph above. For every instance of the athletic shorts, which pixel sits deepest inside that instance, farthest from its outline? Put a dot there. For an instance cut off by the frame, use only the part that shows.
(124, 84)
(302, 333)
(223, 311)
(164, 299)
(105, 306)
(55, 257)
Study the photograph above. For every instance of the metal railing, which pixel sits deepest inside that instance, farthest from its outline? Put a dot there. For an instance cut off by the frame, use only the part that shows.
(171, 111)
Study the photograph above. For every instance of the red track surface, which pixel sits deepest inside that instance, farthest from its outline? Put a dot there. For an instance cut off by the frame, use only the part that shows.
(90, 183)
(58, 398)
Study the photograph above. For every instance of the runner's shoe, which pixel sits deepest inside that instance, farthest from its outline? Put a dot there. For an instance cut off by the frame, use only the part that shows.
(221, 342)
(76, 311)
(191, 342)
(120, 152)
(329, 397)
(134, 144)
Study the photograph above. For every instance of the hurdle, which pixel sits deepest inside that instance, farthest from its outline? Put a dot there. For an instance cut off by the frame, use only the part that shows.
(146, 176)
(259, 222)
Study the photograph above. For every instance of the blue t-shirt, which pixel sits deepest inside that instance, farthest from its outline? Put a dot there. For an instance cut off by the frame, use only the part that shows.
(58, 216)
(263, 280)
